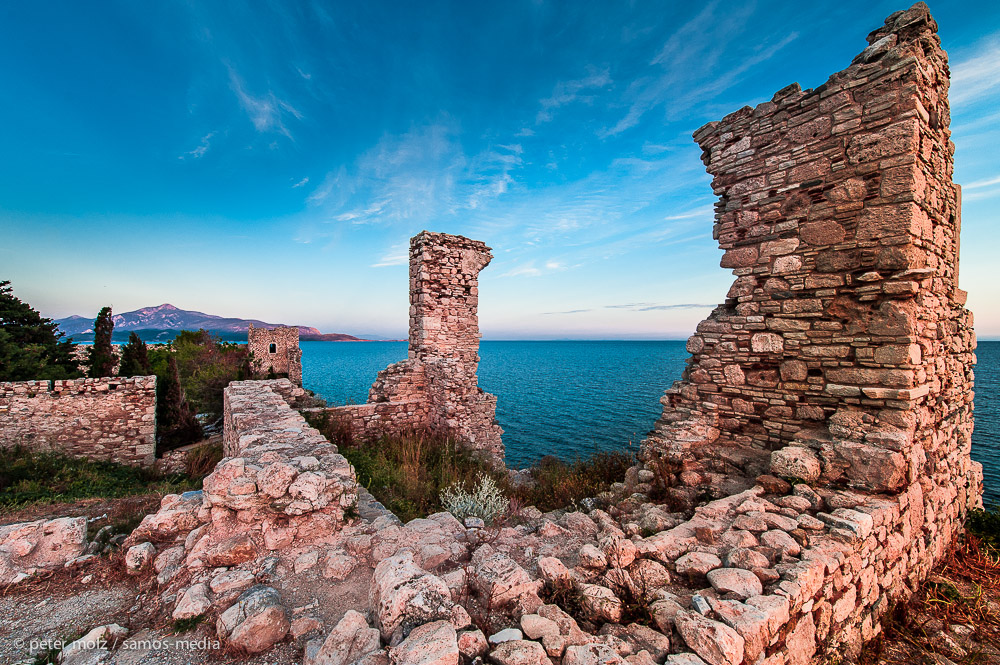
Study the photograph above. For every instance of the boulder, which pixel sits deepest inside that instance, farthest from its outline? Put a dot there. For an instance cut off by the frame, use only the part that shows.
(648, 575)
(178, 514)
(499, 578)
(620, 552)
(434, 643)
(350, 640)
(796, 462)
(741, 582)
(552, 570)
(536, 627)
(93, 646)
(749, 622)
(745, 558)
(505, 635)
(520, 652)
(714, 642)
(139, 557)
(231, 580)
(255, 621)
(403, 596)
(697, 563)
(640, 638)
(46, 544)
(591, 654)
(780, 541)
(600, 603)
(472, 644)
(193, 602)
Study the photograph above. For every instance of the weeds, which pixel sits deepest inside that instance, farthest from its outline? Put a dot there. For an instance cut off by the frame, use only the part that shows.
(560, 484)
(961, 592)
(30, 477)
(985, 525)
(407, 474)
(201, 461)
(190, 623)
(486, 501)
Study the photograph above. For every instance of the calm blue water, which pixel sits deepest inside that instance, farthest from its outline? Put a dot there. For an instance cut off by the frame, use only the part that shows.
(572, 398)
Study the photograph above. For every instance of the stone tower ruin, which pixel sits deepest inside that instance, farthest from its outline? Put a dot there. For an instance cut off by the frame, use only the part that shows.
(436, 388)
(276, 350)
(843, 352)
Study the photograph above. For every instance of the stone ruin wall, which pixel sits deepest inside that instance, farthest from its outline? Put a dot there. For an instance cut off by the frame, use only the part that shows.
(436, 388)
(286, 358)
(843, 354)
(103, 419)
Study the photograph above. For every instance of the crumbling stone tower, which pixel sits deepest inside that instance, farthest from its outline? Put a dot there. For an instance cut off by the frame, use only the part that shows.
(843, 353)
(276, 349)
(436, 388)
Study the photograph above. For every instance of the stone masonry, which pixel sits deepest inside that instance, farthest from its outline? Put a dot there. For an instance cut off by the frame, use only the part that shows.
(436, 389)
(277, 350)
(843, 354)
(106, 419)
(844, 334)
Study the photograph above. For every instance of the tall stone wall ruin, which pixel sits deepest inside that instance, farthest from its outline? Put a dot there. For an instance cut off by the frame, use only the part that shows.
(104, 419)
(436, 388)
(276, 350)
(844, 333)
(842, 357)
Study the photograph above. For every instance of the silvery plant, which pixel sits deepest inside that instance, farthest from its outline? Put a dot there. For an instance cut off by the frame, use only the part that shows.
(486, 501)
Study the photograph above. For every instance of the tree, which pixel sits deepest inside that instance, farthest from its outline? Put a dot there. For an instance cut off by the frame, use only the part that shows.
(175, 424)
(101, 358)
(31, 346)
(207, 366)
(135, 358)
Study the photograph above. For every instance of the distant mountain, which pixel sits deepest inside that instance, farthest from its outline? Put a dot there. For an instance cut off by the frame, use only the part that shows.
(163, 322)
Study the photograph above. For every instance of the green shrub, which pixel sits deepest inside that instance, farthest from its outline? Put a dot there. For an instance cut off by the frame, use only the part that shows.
(28, 477)
(486, 501)
(561, 484)
(985, 525)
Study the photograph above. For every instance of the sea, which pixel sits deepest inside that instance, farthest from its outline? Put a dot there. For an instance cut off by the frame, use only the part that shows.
(573, 398)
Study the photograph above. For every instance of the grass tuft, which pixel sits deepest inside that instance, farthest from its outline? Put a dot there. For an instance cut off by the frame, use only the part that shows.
(38, 477)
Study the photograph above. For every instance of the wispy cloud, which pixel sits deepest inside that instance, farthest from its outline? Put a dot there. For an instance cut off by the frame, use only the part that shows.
(267, 112)
(703, 211)
(989, 182)
(569, 311)
(202, 148)
(977, 74)
(681, 72)
(640, 307)
(301, 183)
(421, 176)
(567, 92)
(396, 256)
(529, 269)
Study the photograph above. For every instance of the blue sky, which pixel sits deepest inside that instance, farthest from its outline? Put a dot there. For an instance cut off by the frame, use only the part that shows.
(271, 160)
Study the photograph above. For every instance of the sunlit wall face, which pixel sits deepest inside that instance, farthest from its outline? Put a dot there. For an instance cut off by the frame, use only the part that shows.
(273, 163)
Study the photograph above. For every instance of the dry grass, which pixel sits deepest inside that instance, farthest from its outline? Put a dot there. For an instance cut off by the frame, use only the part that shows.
(959, 606)
(407, 473)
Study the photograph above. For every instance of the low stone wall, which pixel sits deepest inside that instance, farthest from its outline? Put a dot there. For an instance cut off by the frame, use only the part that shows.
(281, 485)
(105, 419)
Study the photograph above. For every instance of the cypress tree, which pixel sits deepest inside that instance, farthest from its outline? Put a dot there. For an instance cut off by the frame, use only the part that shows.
(135, 358)
(175, 424)
(101, 358)
(31, 346)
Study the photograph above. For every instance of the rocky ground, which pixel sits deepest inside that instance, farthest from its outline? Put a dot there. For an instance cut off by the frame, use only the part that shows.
(543, 587)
